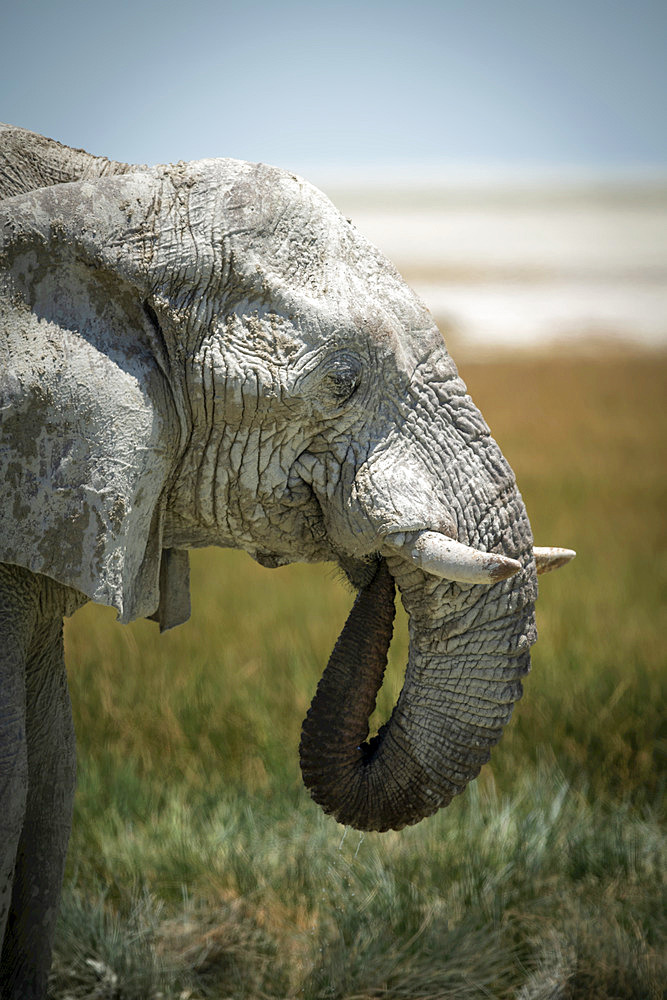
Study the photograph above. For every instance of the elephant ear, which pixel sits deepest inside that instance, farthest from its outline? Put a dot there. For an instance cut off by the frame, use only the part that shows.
(89, 430)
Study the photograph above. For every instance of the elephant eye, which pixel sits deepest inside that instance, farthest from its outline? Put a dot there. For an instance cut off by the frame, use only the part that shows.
(342, 377)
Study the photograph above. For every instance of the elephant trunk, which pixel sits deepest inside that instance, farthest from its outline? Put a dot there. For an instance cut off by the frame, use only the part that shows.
(334, 752)
(469, 647)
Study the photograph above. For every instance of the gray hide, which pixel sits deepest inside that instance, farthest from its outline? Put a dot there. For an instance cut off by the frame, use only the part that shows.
(209, 353)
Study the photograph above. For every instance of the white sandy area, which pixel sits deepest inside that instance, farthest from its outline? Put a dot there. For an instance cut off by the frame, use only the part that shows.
(506, 314)
(502, 269)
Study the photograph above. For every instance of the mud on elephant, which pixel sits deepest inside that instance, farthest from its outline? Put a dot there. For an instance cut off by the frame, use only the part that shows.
(210, 354)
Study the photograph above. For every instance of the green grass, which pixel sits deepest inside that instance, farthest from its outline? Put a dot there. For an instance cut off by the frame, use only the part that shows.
(198, 865)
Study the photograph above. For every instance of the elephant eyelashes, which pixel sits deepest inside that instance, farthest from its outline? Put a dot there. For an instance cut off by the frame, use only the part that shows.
(342, 378)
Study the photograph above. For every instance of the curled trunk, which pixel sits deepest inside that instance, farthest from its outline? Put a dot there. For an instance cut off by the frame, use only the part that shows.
(335, 757)
(469, 648)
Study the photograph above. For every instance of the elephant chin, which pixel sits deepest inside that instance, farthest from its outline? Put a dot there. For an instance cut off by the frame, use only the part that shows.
(451, 710)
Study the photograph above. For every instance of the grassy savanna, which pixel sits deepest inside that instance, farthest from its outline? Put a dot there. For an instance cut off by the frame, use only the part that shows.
(199, 867)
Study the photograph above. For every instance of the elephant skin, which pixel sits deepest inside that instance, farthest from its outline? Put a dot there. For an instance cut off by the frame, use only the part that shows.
(208, 353)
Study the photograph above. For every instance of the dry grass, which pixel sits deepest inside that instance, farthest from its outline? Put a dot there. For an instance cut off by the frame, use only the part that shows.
(199, 867)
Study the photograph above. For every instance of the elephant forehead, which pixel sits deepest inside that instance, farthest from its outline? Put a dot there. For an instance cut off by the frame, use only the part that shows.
(270, 221)
(286, 252)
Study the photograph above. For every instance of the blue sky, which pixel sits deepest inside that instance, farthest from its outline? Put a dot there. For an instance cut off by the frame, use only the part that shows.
(309, 85)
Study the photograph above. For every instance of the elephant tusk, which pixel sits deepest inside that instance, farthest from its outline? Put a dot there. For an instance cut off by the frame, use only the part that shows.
(445, 557)
(548, 558)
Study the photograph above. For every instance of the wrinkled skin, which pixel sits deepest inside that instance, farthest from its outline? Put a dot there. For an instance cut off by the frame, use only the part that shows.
(210, 354)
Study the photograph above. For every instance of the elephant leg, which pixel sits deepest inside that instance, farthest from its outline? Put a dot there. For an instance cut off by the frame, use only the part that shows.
(44, 779)
(18, 614)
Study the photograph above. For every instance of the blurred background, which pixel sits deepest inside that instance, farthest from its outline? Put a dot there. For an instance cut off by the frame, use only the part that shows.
(510, 156)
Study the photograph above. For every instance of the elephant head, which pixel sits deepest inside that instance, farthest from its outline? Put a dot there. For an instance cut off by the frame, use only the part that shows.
(209, 353)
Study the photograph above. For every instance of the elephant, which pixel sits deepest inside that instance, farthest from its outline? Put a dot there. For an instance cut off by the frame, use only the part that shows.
(209, 353)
